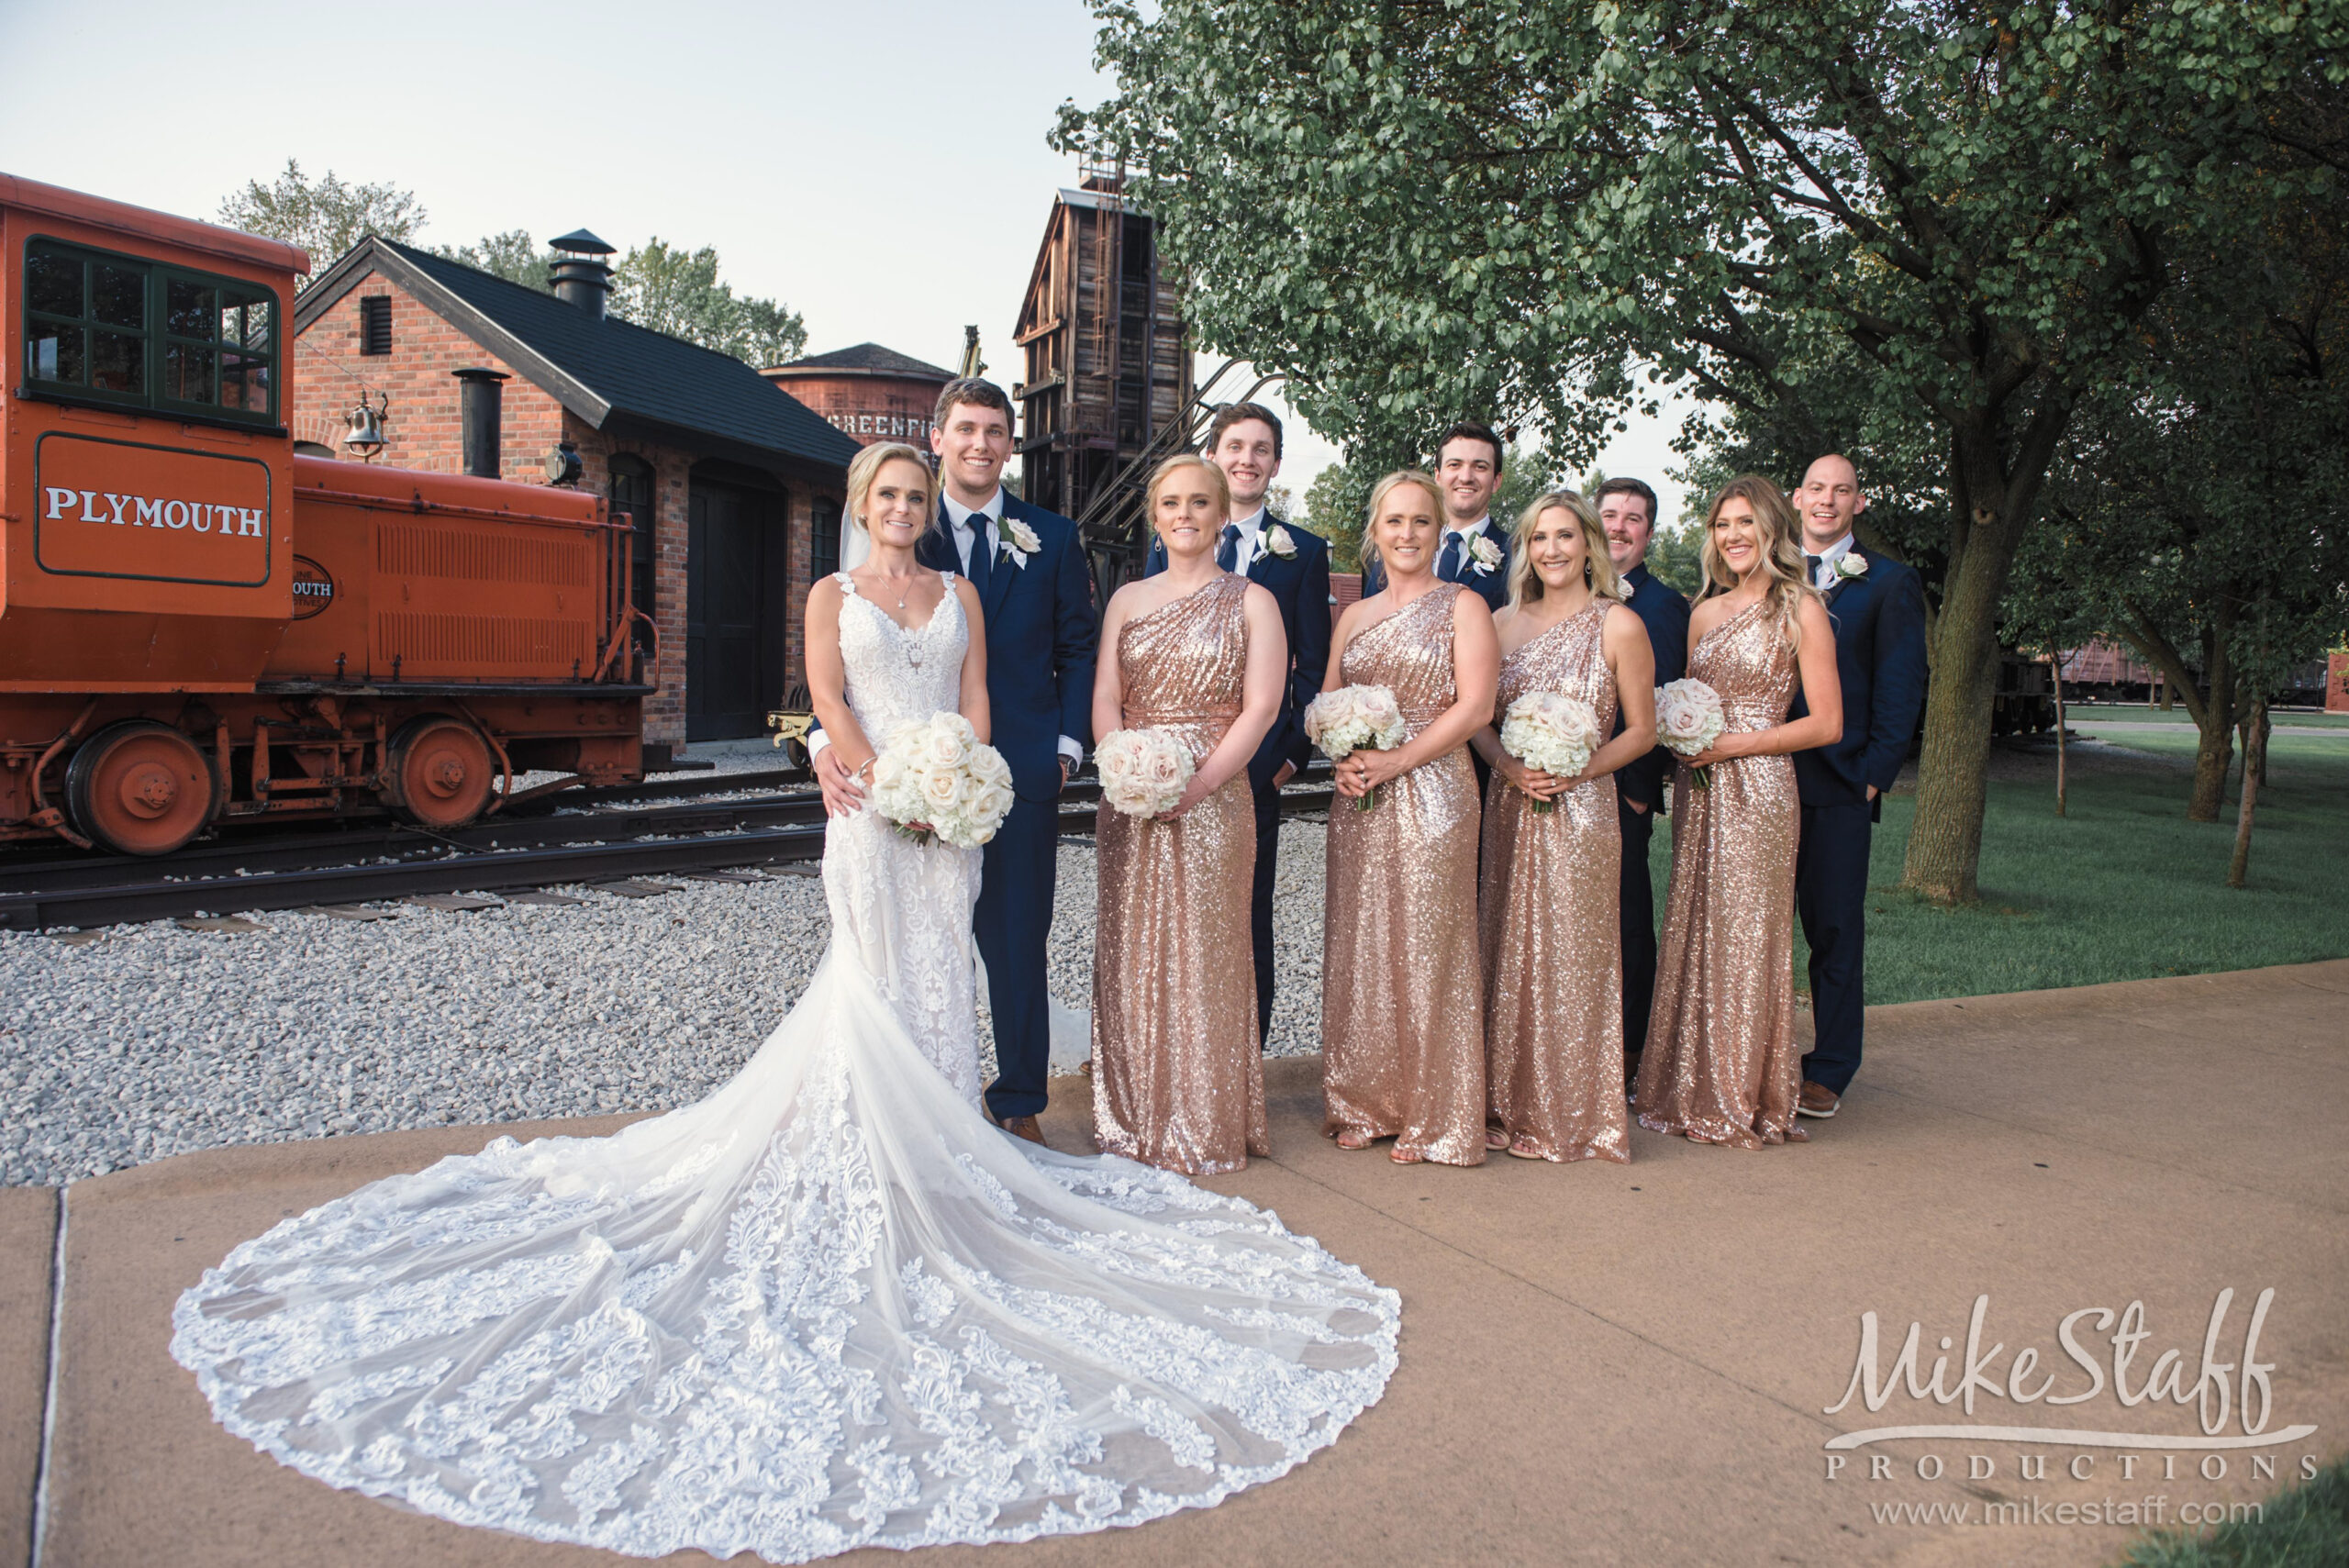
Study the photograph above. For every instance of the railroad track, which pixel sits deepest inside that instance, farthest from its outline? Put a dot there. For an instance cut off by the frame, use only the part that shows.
(360, 865)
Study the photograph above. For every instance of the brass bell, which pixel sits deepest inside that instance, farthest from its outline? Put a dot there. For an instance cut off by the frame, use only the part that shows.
(365, 437)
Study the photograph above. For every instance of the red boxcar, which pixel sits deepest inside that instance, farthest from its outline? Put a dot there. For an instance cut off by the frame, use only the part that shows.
(197, 625)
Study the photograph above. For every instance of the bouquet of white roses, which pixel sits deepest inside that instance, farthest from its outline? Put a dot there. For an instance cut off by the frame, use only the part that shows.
(1551, 731)
(1350, 719)
(1687, 720)
(937, 779)
(1144, 772)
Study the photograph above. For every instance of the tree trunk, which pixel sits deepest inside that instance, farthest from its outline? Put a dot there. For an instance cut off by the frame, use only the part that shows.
(2239, 867)
(2056, 670)
(2215, 719)
(2254, 743)
(1953, 773)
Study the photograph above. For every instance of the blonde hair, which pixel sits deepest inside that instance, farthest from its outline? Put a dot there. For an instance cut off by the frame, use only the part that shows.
(1388, 486)
(1781, 563)
(1525, 584)
(866, 466)
(1174, 465)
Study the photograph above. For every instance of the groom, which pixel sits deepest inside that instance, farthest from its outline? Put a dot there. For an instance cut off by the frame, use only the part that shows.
(1244, 441)
(1878, 606)
(1028, 569)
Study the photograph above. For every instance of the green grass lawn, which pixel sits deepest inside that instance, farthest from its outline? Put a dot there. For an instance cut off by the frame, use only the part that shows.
(2076, 714)
(2300, 1527)
(2123, 888)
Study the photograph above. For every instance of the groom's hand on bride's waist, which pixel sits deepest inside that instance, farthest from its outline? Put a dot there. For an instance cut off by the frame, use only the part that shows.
(842, 794)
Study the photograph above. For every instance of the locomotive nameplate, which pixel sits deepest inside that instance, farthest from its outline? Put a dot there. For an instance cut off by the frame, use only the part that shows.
(313, 588)
(132, 510)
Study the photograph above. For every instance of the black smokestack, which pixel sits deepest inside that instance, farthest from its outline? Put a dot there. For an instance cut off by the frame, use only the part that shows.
(483, 413)
(580, 274)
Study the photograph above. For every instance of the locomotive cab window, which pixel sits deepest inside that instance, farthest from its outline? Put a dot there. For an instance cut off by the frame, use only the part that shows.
(122, 330)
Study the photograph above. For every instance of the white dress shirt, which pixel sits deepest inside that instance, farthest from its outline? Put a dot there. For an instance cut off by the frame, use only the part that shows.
(1251, 542)
(1824, 578)
(958, 523)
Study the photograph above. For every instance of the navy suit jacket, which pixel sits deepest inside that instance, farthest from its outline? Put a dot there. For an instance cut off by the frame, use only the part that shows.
(1664, 612)
(1300, 586)
(1042, 632)
(1879, 619)
(1491, 586)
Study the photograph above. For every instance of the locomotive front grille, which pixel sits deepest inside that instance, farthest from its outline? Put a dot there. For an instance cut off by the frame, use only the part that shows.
(431, 647)
(481, 557)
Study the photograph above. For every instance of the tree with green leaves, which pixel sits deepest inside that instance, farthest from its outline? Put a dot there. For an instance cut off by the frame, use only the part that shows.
(512, 255)
(326, 216)
(672, 290)
(1951, 217)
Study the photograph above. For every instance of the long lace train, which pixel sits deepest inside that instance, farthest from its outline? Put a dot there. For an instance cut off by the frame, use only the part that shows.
(827, 1307)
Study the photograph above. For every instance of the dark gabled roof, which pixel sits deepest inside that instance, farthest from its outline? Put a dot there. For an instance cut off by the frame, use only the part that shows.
(601, 368)
(871, 357)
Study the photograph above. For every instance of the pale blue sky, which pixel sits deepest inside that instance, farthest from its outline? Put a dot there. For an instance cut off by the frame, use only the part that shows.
(882, 170)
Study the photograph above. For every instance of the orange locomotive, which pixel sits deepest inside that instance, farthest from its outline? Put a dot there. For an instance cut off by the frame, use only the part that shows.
(197, 625)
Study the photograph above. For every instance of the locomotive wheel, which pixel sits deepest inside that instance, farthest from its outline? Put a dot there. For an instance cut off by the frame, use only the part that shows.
(439, 771)
(139, 788)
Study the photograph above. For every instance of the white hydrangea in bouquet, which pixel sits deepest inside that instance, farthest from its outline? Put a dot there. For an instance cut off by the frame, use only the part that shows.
(1144, 772)
(1353, 718)
(1689, 719)
(937, 779)
(1552, 733)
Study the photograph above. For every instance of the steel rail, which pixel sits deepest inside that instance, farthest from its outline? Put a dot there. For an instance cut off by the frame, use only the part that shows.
(496, 870)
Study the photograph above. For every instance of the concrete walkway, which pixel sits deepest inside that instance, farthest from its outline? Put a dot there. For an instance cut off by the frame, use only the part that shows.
(1600, 1364)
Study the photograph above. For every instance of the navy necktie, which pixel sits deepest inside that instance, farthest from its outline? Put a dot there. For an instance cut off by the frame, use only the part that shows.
(1810, 567)
(1447, 565)
(981, 555)
(1227, 550)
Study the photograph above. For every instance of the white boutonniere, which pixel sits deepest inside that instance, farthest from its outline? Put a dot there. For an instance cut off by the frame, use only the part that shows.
(1019, 541)
(1484, 555)
(1851, 564)
(1277, 541)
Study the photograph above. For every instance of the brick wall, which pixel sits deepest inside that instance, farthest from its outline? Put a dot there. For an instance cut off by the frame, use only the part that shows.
(869, 407)
(423, 430)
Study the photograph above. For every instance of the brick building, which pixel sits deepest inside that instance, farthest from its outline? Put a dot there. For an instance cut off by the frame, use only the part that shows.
(868, 391)
(734, 487)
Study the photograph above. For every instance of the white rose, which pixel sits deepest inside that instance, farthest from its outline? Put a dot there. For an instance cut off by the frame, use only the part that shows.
(940, 791)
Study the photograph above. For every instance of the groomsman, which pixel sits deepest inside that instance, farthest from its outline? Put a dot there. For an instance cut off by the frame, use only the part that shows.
(1627, 511)
(1244, 441)
(1878, 606)
(1030, 573)
(1475, 548)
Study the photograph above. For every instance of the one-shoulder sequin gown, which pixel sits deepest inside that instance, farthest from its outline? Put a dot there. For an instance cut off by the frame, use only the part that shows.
(1402, 991)
(1721, 1061)
(1554, 956)
(1177, 1079)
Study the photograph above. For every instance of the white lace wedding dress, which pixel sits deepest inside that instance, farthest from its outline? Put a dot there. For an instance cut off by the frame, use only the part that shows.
(829, 1306)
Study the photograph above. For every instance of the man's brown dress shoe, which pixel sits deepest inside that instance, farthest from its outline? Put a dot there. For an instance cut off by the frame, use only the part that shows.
(1816, 1101)
(1022, 1126)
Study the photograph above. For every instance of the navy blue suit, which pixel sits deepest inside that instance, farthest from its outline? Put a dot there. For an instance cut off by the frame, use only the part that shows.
(1879, 619)
(1491, 586)
(1300, 586)
(1664, 612)
(1042, 630)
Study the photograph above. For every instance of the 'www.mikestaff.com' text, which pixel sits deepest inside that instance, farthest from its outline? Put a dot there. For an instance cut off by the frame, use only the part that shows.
(2152, 1510)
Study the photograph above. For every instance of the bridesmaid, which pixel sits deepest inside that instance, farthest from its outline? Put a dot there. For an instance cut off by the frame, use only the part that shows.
(1402, 1002)
(1553, 958)
(1177, 1078)
(1721, 1064)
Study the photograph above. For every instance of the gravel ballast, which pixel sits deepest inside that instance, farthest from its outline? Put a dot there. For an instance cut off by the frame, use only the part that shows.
(153, 1040)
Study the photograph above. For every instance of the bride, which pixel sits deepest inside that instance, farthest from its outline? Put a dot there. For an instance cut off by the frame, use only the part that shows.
(830, 1305)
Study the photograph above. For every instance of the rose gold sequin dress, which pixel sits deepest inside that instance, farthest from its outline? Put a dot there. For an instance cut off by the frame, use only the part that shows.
(1402, 992)
(1177, 1079)
(1722, 1061)
(1553, 957)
